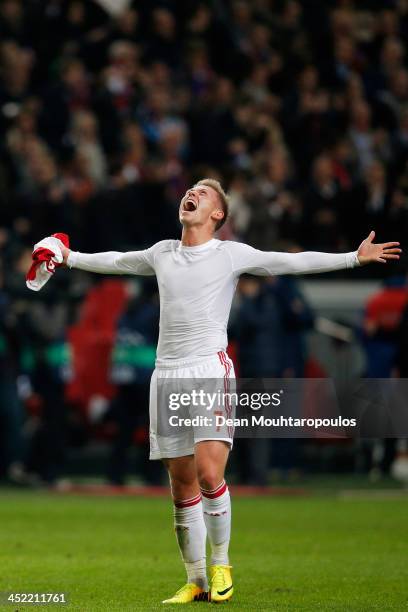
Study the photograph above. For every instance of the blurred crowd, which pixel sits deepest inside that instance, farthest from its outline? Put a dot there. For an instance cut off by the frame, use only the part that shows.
(299, 108)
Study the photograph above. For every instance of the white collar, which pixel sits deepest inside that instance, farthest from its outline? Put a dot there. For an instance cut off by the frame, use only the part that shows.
(200, 247)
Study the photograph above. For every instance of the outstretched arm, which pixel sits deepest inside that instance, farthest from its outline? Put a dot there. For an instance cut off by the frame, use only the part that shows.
(262, 263)
(112, 262)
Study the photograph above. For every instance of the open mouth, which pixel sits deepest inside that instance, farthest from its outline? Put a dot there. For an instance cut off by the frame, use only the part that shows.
(190, 206)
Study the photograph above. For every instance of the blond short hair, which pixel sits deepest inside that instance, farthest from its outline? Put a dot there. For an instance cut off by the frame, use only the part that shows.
(216, 185)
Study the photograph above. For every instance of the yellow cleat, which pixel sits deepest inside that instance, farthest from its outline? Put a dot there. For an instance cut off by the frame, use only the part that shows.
(188, 593)
(221, 588)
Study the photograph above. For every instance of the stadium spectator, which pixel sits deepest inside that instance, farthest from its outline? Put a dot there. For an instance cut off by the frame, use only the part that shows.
(132, 365)
(12, 446)
(384, 312)
(269, 326)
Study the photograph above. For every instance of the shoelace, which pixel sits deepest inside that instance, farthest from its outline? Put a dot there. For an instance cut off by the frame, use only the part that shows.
(218, 580)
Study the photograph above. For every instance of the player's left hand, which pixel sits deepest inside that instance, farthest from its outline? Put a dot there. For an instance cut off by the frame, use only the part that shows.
(369, 252)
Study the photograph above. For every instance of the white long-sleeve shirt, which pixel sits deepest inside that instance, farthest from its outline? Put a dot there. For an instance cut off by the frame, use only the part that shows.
(197, 284)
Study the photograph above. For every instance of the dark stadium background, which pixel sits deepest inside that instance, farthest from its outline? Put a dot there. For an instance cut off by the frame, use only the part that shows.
(107, 114)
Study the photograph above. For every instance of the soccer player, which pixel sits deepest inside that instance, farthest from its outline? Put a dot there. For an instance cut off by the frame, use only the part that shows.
(197, 276)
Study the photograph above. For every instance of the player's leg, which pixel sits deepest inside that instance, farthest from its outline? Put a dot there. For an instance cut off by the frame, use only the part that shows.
(188, 515)
(189, 527)
(211, 459)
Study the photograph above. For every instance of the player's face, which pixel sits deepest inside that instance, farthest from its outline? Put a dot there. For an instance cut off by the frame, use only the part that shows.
(199, 206)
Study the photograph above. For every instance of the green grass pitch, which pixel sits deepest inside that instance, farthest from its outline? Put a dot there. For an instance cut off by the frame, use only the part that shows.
(119, 553)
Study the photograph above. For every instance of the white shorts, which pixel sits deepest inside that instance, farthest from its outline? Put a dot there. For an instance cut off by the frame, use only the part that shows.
(218, 367)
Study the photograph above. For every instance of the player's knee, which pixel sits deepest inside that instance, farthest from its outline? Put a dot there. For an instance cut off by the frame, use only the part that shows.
(183, 487)
(182, 481)
(209, 479)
